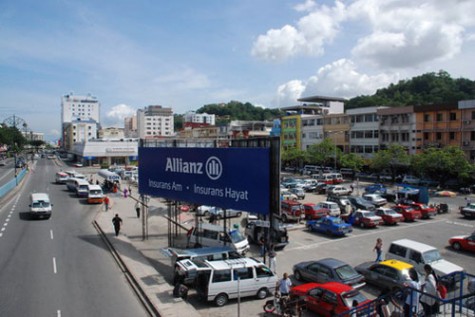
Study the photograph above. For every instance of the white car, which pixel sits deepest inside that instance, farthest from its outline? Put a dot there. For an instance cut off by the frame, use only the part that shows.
(339, 190)
(412, 180)
(375, 199)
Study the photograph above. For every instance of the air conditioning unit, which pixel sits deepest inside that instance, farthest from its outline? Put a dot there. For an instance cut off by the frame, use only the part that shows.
(466, 143)
(467, 122)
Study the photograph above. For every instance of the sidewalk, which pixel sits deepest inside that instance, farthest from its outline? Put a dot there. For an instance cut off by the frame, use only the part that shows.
(136, 254)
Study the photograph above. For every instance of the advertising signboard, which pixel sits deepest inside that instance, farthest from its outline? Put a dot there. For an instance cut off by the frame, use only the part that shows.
(230, 178)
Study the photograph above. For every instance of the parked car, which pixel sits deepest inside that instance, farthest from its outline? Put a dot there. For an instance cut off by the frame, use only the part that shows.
(366, 219)
(333, 209)
(412, 180)
(205, 210)
(257, 229)
(328, 270)
(361, 203)
(314, 211)
(285, 194)
(376, 188)
(375, 199)
(321, 188)
(219, 213)
(291, 210)
(466, 243)
(408, 212)
(468, 211)
(331, 299)
(339, 190)
(330, 225)
(389, 275)
(297, 191)
(341, 201)
(426, 210)
(389, 216)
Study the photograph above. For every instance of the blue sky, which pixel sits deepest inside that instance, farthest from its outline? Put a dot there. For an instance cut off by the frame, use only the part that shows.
(186, 54)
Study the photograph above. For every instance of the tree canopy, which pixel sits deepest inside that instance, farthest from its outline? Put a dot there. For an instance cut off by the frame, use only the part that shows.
(235, 110)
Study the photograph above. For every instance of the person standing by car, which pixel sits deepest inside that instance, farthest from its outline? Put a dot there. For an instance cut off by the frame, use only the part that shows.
(412, 298)
(429, 289)
(379, 250)
(117, 222)
(284, 285)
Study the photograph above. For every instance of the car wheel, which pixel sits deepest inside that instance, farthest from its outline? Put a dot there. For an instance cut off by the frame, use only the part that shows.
(262, 293)
(362, 225)
(221, 299)
(457, 246)
(298, 276)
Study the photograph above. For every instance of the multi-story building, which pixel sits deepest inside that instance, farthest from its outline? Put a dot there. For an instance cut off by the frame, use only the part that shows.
(194, 119)
(80, 119)
(111, 133)
(336, 127)
(130, 127)
(155, 122)
(364, 131)
(467, 109)
(312, 130)
(397, 125)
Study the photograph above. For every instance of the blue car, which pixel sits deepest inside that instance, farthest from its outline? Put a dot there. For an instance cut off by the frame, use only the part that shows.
(330, 225)
(376, 188)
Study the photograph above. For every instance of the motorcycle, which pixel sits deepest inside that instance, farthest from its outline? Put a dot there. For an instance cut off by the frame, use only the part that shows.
(284, 306)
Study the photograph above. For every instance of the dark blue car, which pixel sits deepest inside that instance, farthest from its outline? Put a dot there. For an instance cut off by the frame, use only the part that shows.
(330, 225)
(376, 188)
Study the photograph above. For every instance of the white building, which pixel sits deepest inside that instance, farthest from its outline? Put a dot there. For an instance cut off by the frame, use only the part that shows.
(200, 118)
(130, 127)
(101, 152)
(155, 122)
(312, 130)
(364, 130)
(80, 119)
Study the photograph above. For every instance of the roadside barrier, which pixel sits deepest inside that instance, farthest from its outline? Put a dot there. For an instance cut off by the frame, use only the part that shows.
(10, 185)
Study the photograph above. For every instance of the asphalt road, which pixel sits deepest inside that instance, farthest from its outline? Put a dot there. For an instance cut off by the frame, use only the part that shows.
(58, 267)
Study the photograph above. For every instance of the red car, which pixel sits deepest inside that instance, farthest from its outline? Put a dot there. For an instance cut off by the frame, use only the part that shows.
(408, 212)
(312, 212)
(390, 216)
(466, 243)
(366, 219)
(426, 210)
(331, 298)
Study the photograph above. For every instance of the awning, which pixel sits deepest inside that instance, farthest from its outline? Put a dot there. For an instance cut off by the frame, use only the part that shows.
(108, 175)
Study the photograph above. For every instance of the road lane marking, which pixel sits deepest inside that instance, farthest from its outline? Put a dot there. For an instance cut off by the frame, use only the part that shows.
(54, 266)
(51, 234)
(460, 224)
(58, 313)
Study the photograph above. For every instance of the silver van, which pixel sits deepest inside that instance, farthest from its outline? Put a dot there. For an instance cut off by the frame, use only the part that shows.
(40, 206)
(218, 281)
(210, 235)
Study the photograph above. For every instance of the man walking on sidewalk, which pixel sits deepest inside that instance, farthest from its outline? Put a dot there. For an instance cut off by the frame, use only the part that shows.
(117, 221)
(106, 202)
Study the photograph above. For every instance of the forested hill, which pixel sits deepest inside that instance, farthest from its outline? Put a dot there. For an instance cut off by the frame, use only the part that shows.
(235, 110)
(430, 88)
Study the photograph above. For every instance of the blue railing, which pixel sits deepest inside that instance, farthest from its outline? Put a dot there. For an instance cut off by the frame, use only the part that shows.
(5, 189)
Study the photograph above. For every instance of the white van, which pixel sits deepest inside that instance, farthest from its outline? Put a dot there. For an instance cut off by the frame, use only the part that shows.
(81, 187)
(333, 208)
(418, 254)
(40, 205)
(95, 195)
(209, 235)
(219, 281)
(61, 177)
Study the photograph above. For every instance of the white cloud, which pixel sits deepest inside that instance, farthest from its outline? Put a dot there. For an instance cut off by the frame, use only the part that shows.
(338, 79)
(115, 116)
(308, 5)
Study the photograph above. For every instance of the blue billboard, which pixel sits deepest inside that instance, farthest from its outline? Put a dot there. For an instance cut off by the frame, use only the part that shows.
(230, 178)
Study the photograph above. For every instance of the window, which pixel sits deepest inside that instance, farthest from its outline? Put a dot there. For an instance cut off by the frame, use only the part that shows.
(263, 271)
(473, 115)
(426, 136)
(397, 250)
(415, 256)
(426, 117)
(440, 117)
(210, 234)
(438, 136)
(221, 276)
(453, 116)
(244, 273)
(452, 135)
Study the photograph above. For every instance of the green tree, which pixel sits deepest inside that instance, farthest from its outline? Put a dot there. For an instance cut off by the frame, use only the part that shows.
(394, 159)
(353, 161)
(323, 153)
(36, 144)
(293, 157)
(13, 138)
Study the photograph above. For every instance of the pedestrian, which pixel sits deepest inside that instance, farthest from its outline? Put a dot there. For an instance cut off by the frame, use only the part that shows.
(379, 250)
(97, 182)
(262, 246)
(106, 202)
(284, 285)
(137, 209)
(272, 259)
(412, 299)
(429, 290)
(125, 192)
(130, 191)
(117, 221)
(348, 209)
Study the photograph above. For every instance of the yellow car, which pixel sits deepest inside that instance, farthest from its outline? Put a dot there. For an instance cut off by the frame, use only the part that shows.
(389, 275)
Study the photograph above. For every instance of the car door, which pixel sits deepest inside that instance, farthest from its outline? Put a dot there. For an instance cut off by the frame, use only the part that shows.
(312, 271)
(314, 297)
(469, 243)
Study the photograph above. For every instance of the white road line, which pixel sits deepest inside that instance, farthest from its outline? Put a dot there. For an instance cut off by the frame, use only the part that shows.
(51, 234)
(54, 266)
(7, 220)
(3, 229)
(460, 224)
(58, 313)
(1, 234)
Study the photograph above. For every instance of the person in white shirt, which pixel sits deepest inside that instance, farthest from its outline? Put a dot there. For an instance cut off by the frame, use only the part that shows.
(284, 285)
(412, 299)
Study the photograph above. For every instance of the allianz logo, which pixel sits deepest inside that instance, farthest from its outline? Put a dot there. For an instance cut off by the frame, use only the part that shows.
(213, 167)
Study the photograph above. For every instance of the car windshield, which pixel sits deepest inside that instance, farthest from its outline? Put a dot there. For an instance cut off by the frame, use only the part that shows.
(40, 204)
(370, 214)
(236, 236)
(431, 256)
(345, 272)
(337, 221)
(391, 212)
(351, 296)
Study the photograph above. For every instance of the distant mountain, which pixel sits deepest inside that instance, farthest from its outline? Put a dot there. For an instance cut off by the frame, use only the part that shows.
(430, 88)
(235, 110)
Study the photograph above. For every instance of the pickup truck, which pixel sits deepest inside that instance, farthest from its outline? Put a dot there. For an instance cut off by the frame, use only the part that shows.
(468, 211)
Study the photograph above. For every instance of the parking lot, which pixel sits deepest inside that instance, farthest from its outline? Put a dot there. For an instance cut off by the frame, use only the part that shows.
(355, 248)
